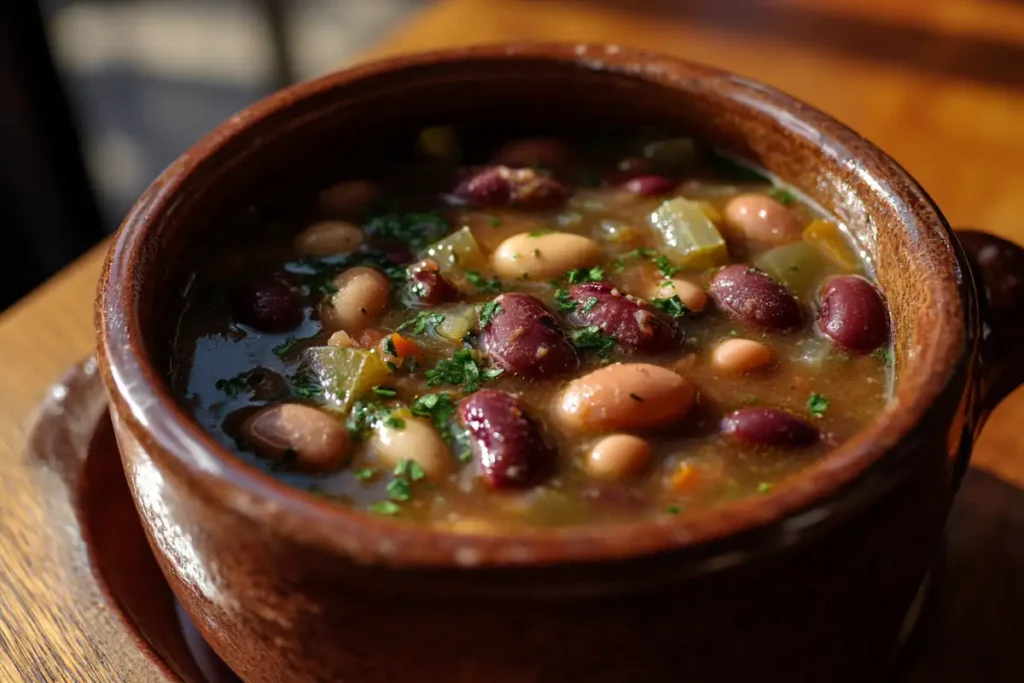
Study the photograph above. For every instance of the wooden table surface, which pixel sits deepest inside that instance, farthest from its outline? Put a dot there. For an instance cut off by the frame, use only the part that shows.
(939, 85)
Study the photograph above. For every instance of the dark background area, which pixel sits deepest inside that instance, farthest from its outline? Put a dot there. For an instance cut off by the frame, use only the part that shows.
(98, 96)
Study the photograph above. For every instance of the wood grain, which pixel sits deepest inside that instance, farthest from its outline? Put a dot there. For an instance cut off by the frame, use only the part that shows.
(938, 85)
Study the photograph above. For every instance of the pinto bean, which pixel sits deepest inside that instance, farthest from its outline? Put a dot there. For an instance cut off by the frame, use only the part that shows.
(416, 440)
(649, 185)
(272, 304)
(349, 199)
(768, 427)
(762, 219)
(751, 295)
(524, 339)
(853, 314)
(692, 296)
(737, 356)
(427, 283)
(503, 186)
(507, 443)
(626, 396)
(361, 299)
(618, 456)
(312, 439)
(634, 325)
(544, 256)
(327, 238)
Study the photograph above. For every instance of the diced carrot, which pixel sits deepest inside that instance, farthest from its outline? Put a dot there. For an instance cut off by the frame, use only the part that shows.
(405, 347)
(684, 478)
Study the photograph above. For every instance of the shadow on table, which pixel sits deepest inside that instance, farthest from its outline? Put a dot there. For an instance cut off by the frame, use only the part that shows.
(972, 631)
(974, 57)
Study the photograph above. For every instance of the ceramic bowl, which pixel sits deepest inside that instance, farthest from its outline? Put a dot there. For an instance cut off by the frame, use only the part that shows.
(810, 582)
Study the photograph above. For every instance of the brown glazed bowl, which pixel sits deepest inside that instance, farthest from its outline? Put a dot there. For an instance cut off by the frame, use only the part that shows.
(807, 583)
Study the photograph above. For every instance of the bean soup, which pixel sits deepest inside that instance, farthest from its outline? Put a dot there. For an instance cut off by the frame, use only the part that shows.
(541, 331)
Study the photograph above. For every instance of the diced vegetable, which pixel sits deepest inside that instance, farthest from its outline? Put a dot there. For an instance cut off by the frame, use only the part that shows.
(457, 253)
(458, 322)
(831, 240)
(673, 154)
(710, 211)
(441, 143)
(402, 347)
(799, 266)
(691, 239)
(684, 478)
(345, 374)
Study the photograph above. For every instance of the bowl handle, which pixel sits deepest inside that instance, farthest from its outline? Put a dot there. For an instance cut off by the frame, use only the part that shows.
(997, 266)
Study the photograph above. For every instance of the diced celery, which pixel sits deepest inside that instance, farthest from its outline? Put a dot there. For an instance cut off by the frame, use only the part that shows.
(691, 239)
(457, 253)
(457, 323)
(344, 374)
(710, 211)
(831, 240)
(799, 266)
(441, 143)
(673, 154)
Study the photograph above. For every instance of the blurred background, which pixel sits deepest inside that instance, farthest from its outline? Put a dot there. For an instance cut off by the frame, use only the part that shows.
(98, 96)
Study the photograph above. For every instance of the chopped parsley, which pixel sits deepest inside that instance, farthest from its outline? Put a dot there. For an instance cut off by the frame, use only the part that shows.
(673, 306)
(460, 370)
(482, 283)
(233, 386)
(419, 324)
(286, 347)
(764, 487)
(494, 221)
(595, 274)
(385, 507)
(438, 407)
(412, 229)
(394, 422)
(588, 305)
(563, 301)
(389, 346)
(387, 392)
(364, 474)
(366, 414)
(488, 311)
(665, 266)
(817, 404)
(538, 233)
(306, 385)
(399, 489)
(673, 509)
(885, 355)
(591, 338)
(641, 252)
(406, 472)
(782, 195)
(409, 469)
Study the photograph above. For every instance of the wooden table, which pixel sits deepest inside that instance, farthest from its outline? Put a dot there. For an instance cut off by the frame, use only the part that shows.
(939, 85)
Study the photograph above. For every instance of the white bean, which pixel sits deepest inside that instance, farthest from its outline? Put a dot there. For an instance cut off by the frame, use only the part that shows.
(692, 296)
(540, 257)
(762, 219)
(416, 440)
(618, 456)
(737, 356)
(360, 301)
(626, 396)
(328, 238)
(316, 441)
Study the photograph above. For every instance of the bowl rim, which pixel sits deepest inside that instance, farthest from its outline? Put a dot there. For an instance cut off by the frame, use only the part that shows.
(145, 403)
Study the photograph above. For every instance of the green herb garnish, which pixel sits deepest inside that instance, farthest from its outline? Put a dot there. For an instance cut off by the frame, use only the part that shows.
(399, 489)
(364, 474)
(482, 283)
(286, 347)
(563, 301)
(588, 305)
(673, 509)
(782, 195)
(409, 469)
(385, 507)
(538, 233)
(417, 325)
(673, 306)
(461, 369)
(488, 311)
(412, 229)
(438, 407)
(764, 487)
(595, 274)
(665, 266)
(591, 337)
(233, 386)
(817, 404)
(387, 392)
(885, 355)
(306, 385)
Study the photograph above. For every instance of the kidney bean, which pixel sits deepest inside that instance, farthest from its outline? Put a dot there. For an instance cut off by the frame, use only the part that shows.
(504, 186)
(753, 296)
(524, 339)
(853, 314)
(507, 443)
(634, 325)
(272, 304)
(544, 256)
(768, 427)
(534, 153)
(315, 441)
(427, 283)
(625, 396)
(649, 185)
(762, 219)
